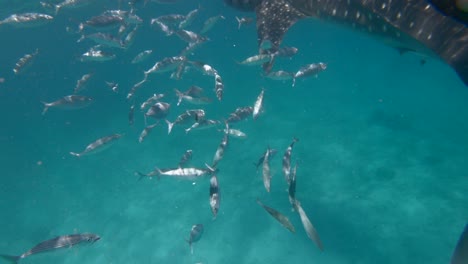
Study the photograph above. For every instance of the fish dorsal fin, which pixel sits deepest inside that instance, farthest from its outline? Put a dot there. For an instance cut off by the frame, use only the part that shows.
(274, 18)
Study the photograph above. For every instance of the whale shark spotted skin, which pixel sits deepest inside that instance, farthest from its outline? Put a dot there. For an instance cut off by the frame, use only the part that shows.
(408, 25)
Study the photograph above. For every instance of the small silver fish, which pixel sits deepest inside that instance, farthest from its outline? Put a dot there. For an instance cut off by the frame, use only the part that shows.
(243, 21)
(190, 36)
(219, 87)
(221, 148)
(287, 161)
(158, 111)
(193, 114)
(131, 114)
(278, 216)
(235, 133)
(71, 4)
(171, 19)
(258, 105)
(146, 132)
(204, 68)
(166, 64)
(310, 69)
(257, 60)
(81, 83)
(142, 56)
(195, 235)
(95, 54)
(189, 18)
(266, 173)
(69, 102)
(202, 124)
(150, 101)
(292, 186)
(27, 20)
(177, 74)
(185, 158)
(196, 100)
(210, 22)
(215, 195)
(162, 26)
(183, 173)
(24, 62)
(66, 241)
(239, 114)
(280, 75)
(134, 88)
(308, 227)
(286, 51)
(128, 40)
(98, 145)
(104, 39)
(271, 154)
(102, 22)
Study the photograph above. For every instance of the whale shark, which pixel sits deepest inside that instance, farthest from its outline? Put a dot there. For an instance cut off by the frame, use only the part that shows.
(432, 28)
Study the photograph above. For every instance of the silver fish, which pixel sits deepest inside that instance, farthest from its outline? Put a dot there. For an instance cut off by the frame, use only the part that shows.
(239, 114)
(196, 100)
(271, 154)
(98, 145)
(243, 21)
(280, 75)
(221, 148)
(266, 173)
(185, 158)
(104, 39)
(308, 227)
(162, 26)
(215, 195)
(192, 46)
(286, 52)
(193, 114)
(27, 20)
(460, 254)
(184, 173)
(95, 54)
(189, 18)
(171, 19)
(210, 22)
(134, 88)
(204, 68)
(190, 36)
(202, 124)
(310, 69)
(24, 62)
(195, 235)
(158, 111)
(151, 100)
(278, 216)
(219, 87)
(235, 133)
(292, 186)
(81, 83)
(166, 64)
(146, 132)
(66, 241)
(287, 161)
(128, 40)
(258, 105)
(257, 60)
(177, 74)
(71, 4)
(142, 56)
(69, 102)
(131, 114)
(102, 21)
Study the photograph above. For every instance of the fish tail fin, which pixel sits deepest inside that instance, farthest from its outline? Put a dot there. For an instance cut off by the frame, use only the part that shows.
(75, 154)
(46, 107)
(141, 175)
(169, 126)
(11, 259)
(238, 22)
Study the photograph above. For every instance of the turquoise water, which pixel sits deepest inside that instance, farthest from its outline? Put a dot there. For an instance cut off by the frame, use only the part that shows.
(382, 149)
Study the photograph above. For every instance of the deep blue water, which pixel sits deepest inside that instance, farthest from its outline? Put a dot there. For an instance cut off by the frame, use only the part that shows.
(382, 149)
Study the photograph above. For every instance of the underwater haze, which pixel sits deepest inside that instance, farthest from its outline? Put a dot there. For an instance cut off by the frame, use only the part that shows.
(381, 155)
